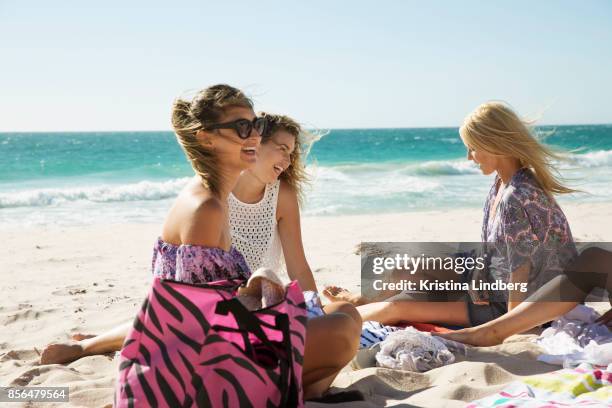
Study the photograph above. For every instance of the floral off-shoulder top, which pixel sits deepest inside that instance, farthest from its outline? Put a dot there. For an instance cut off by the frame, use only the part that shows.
(197, 264)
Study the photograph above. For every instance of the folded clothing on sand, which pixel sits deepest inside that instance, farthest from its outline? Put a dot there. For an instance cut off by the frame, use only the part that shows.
(575, 338)
(375, 332)
(582, 386)
(411, 350)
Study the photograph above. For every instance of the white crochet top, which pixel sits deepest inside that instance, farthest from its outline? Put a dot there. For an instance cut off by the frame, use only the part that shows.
(254, 230)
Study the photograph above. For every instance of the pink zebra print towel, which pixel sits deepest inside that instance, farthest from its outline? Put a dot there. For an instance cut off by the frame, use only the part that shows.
(197, 345)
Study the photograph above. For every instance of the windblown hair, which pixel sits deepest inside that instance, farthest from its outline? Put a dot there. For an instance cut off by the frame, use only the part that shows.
(205, 109)
(295, 175)
(495, 128)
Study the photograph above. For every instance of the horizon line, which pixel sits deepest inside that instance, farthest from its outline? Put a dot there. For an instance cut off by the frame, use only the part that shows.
(307, 128)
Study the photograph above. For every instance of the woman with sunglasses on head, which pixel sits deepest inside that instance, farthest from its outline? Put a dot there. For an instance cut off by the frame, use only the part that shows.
(219, 133)
(262, 217)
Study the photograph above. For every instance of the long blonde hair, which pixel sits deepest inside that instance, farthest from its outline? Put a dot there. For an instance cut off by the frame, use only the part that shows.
(495, 128)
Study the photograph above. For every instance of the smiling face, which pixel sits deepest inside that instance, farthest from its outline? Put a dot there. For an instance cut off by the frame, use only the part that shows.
(229, 148)
(274, 156)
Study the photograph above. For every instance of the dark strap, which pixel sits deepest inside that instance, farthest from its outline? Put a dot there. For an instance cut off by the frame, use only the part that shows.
(249, 323)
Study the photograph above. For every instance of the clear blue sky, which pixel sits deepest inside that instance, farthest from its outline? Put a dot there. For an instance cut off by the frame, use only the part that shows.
(117, 65)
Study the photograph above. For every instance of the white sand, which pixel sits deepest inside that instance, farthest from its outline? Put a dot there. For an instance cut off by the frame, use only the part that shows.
(56, 281)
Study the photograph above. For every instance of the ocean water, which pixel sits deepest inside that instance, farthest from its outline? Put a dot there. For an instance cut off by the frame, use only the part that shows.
(108, 177)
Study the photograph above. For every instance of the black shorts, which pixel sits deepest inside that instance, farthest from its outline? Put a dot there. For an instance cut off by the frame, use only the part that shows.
(479, 314)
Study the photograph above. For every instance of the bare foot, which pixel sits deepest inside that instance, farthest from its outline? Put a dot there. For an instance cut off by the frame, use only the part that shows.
(475, 336)
(338, 294)
(60, 353)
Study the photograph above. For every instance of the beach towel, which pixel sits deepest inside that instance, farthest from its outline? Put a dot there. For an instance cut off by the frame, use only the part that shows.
(199, 345)
(583, 386)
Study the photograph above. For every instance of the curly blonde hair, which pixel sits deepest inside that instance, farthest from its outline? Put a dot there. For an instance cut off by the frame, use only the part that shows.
(295, 175)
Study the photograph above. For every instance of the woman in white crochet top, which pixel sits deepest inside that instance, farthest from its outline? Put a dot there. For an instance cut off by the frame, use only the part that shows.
(265, 224)
(264, 205)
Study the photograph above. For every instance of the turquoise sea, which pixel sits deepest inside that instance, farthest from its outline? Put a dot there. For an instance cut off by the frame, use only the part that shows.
(102, 177)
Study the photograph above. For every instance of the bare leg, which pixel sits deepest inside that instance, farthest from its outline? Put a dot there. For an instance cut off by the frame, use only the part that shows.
(331, 342)
(398, 311)
(525, 316)
(338, 294)
(534, 311)
(60, 353)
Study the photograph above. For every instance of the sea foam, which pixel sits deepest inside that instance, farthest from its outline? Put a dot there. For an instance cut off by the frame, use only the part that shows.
(144, 190)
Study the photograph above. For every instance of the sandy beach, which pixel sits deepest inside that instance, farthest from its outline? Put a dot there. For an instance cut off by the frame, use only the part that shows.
(61, 280)
(383, 122)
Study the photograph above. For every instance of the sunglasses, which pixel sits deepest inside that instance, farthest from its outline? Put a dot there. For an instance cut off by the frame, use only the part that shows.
(243, 127)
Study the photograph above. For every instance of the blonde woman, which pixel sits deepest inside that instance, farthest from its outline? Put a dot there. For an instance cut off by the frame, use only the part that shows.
(520, 213)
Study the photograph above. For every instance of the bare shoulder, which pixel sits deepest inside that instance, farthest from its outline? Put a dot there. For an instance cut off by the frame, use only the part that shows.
(196, 218)
(287, 200)
(204, 225)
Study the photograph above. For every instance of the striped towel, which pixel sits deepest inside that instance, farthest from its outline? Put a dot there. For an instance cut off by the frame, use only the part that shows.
(374, 332)
(583, 386)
